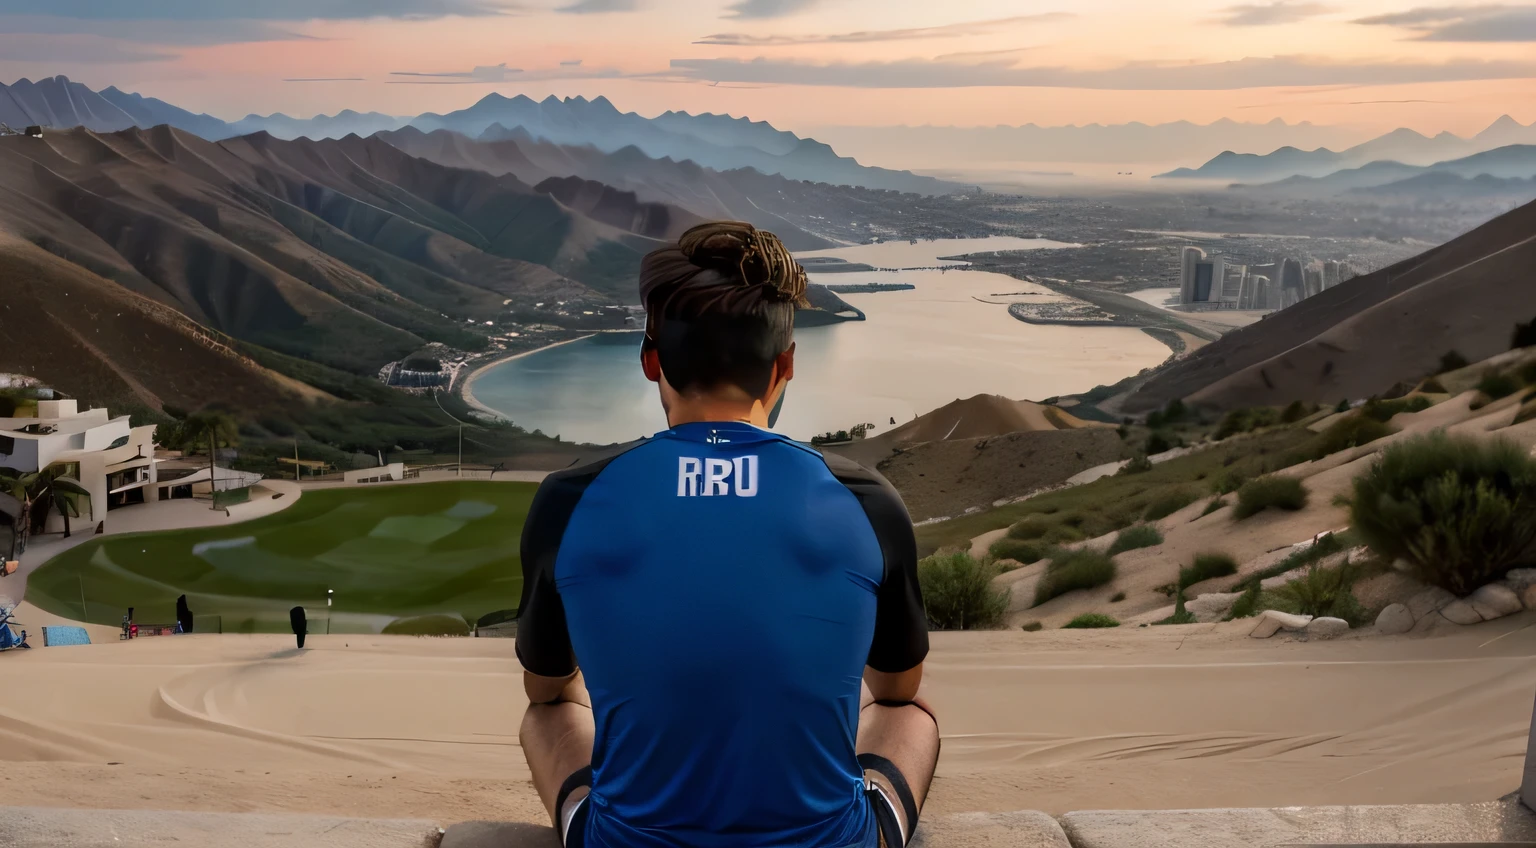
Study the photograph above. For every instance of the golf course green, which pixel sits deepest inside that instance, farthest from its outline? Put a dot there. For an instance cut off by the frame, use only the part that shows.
(388, 552)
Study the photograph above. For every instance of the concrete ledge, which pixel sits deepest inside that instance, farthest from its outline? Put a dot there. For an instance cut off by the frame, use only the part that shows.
(37, 827)
(1493, 822)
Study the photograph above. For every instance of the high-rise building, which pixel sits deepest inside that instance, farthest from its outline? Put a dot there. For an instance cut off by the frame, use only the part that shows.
(1232, 285)
(1330, 275)
(1190, 258)
(1312, 281)
(1292, 283)
(1261, 292)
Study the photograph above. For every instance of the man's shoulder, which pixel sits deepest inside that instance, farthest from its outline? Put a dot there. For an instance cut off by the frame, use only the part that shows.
(849, 472)
(585, 467)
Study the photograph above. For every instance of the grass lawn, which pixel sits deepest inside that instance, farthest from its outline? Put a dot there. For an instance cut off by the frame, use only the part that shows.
(387, 552)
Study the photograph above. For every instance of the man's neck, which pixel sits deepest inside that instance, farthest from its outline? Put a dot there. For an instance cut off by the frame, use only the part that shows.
(697, 410)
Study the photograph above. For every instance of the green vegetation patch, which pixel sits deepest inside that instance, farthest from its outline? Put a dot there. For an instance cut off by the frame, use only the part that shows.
(1460, 511)
(1349, 432)
(1206, 567)
(1091, 621)
(1170, 503)
(1273, 492)
(1321, 549)
(391, 551)
(1018, 550)
(439, 624)
(1133, 538)
(958, 592)
(1073, 570)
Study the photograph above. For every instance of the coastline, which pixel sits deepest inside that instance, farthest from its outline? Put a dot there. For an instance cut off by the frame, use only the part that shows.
(466, 389)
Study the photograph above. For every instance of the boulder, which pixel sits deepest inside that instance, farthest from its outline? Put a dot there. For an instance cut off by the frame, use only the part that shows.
(1359, 555)
(1520, 579)
(1273, 621)
(1528, 597)
(1325, 628)
(1497, 597)
(1461, 612)
(1428, 601)
(1212, 607)
(1396, 619)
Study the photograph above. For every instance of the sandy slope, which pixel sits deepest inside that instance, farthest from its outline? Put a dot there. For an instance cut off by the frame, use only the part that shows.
(1156, 718)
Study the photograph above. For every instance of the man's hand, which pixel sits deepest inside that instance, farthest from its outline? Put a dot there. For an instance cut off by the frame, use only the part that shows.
(556, 690)
(898, 686)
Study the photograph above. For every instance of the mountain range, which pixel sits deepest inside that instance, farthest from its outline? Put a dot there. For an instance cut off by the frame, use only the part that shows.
(714, 141)
(1402, 146)
(1358, 339)
(1503, 170)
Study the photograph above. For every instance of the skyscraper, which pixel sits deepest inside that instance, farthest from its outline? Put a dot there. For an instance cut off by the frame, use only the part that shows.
(1292, 283)
(1330, 275)
(1312, 281)
(1190, 258)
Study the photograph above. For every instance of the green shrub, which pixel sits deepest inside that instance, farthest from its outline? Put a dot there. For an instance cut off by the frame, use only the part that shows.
(1234, 422)
(1433, 386)
(441, 624)
(1033, 627)
(1018, 550)
(1119, 596)
(1091, 621)
(1460, 511)
(1073, 570)
(1180, 614)
(1348, 433)
(1451, 361)
(1496, 385)
(1246, 606)
(1324, 592)
(958, 592)
(1169, 503)
(1325, 547)
(1273, 491)
(1213, 506)
(1295, 412)
(1032, 527)
(1344, 406)
(1175, 411)
(1206, 567)
(1158, 443)
(1132, 538)
(1061, 534)
(1229, 481)
(1139, 464)
(1524, 335)
(1385, 410)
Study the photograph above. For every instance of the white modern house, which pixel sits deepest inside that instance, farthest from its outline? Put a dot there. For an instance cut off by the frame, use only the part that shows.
(112, 459)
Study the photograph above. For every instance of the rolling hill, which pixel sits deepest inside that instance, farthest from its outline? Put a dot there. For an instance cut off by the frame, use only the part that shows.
(1360, 338)
(1511, 162)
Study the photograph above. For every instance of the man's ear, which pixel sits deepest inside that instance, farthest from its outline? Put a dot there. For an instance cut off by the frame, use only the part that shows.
(785, 363)
(650, 363)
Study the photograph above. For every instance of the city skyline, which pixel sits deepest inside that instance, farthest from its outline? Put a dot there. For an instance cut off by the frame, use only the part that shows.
(802, 64)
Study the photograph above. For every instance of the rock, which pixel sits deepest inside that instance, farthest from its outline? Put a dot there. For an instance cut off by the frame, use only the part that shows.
(1461, 612)
(1528, 597)
(1324, 629)
(1272, 621)
(1359, 555)
(1520, 579)
(1499, 598)
(1212, 607)
(1428, 601)
(1396, 619)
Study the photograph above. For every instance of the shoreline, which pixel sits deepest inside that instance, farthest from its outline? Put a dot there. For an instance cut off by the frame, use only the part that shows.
(467, 387)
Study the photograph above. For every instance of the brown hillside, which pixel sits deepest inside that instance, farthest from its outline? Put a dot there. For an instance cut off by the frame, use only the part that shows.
(1359, 338)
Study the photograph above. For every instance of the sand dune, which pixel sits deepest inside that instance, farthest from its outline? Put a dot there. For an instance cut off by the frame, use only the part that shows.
(427, 727)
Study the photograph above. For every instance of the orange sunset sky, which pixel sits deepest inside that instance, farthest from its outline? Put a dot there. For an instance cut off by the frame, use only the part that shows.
(803, 64)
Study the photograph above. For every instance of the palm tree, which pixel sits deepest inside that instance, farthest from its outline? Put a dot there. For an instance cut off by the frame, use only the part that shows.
(215, 429)
(60, 490)
(16, 490)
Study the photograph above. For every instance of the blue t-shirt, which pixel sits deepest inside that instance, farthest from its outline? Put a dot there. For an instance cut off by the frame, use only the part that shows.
(721, 589)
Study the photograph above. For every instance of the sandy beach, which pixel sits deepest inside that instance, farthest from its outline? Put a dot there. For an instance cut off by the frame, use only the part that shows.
(1190, 717)
(467, 389)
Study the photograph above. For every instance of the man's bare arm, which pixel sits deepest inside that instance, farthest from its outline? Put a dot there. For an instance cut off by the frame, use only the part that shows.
(556, 690)
(898, 686)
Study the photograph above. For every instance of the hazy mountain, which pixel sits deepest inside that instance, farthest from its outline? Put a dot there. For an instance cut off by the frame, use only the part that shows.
(728, 131)
(1514, 162)
(1133, 143)
(344, 123)
(148, 112)
(741, 195)
(57, 102)
(1357, 339)
(1403, 145)
(1442, 186)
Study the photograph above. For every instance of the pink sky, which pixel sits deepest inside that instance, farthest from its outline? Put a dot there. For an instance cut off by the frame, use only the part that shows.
(964, 62)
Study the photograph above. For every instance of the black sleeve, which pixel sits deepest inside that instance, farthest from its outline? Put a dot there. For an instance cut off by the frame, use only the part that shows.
(901, 621)
(543, 640)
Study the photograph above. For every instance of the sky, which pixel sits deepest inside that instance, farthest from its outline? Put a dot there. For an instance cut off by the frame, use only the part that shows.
(1370, 64)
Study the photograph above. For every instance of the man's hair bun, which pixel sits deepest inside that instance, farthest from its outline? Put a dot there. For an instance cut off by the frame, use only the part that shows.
(756, 258)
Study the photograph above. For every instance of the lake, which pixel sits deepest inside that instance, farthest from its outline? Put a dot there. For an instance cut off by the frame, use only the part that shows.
(949, 337)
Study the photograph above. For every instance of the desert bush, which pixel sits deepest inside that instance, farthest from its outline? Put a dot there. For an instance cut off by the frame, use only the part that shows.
(1228, 481)
(1139, 464)
(441, 624)
(1273, 491)
(958, 593)
(1132, 538)
(1214, 505)
(1295, 412)
(1180, 614)
(1349, 432)
(1452, 360)
(1384, 410)
(1169, 503)
(1018, 550)
(1091, 621)
(1324, 592)
(1073, 570)
(1032, 527)
(1433, 386)
(1206, 567)
(1119, 596)
(1325, 547)
(1246, 606)
(1460, 511)
(1033, 627)
(1496, 385)
(1158, 443)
